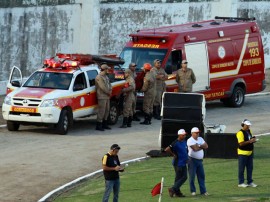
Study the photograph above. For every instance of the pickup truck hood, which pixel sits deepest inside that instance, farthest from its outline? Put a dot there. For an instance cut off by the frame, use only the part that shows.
(36, 93)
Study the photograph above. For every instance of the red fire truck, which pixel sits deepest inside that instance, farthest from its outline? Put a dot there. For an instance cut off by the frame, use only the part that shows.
(226, 55)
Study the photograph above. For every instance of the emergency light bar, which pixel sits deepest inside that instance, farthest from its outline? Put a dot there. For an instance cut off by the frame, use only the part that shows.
(87, 59)
(51, 63)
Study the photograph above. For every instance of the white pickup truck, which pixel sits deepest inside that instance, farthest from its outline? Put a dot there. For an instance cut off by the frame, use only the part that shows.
(64, 89)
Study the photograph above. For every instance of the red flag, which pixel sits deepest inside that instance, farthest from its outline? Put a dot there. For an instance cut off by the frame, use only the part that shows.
(156, 189)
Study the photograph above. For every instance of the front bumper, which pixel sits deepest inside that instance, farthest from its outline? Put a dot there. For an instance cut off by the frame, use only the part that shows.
(45, 115)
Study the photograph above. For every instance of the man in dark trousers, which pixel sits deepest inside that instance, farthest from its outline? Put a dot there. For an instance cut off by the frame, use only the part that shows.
(178, 149)
(245, 154)
(111, 168)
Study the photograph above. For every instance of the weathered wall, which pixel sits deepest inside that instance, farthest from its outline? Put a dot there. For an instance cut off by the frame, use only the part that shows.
(28, 35)
(134, 16)
(32, 30)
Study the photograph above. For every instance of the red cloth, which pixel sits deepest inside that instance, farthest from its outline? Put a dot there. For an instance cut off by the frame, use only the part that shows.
(156, 189)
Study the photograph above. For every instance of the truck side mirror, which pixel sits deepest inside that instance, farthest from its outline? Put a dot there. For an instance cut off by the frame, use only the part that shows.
(15, 83)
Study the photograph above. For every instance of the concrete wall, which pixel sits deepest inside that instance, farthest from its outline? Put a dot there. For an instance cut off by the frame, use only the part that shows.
(135, 16)
(31, 30)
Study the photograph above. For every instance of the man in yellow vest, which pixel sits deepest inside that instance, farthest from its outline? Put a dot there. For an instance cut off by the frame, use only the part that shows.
(245, 154)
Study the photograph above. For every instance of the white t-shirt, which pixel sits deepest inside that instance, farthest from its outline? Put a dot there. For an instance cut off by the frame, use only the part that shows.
(195, 154)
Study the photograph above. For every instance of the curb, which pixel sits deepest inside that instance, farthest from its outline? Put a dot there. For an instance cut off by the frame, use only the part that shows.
(257, 94)
(71, 184)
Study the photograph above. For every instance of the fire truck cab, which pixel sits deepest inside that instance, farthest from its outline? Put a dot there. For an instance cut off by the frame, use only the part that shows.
(226, 55)
(64, 89)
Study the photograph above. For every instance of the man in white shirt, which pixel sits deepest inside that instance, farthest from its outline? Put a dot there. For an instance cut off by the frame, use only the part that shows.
(196, 145)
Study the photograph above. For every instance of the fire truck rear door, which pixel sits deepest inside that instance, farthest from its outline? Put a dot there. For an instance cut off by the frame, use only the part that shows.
(197, 57)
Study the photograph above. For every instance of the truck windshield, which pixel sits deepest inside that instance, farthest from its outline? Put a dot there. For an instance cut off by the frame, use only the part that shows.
(141, 56)
(49, 80)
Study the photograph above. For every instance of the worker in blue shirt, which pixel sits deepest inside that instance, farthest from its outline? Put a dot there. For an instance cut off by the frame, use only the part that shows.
(178, 149)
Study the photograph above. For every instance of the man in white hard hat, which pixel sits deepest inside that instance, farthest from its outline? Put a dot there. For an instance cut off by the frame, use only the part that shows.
(196, 145)
(178, 149)
(245, 154)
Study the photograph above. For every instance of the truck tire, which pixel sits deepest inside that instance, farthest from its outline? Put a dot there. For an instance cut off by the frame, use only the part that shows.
(12, 126)
(113, 114)
(237, 98)
(64, 123)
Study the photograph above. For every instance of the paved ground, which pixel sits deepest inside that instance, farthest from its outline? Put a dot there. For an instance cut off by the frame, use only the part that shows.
(34, 160)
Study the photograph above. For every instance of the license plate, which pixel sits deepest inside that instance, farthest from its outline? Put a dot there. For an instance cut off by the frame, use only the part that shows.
(24, 109)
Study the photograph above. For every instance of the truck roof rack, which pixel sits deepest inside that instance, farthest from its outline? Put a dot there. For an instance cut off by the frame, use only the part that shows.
(86, 59)
(235, 19)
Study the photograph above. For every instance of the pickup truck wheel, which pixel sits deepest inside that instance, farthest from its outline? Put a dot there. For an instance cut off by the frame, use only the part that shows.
(238, 97)
(113, 115)
(12, 126)
(64, 122)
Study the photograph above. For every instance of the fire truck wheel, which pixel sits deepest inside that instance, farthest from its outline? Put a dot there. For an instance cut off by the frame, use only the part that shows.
(12, 126)
(113, 115)
(63, 124)
(238, 97)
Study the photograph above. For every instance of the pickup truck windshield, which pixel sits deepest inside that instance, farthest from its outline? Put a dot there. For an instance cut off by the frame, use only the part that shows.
(49, 80)
(141, 56)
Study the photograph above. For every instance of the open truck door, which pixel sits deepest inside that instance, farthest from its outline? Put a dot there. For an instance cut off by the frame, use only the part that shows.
(197, 57)
(15, 79)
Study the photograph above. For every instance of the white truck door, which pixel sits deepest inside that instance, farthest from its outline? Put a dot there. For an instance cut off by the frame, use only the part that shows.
(15, 79)
(197, 57)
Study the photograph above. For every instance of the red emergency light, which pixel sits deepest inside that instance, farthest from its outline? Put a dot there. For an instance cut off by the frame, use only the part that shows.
(253, 28)
(56, 64)
(72, 64)
(187, 38)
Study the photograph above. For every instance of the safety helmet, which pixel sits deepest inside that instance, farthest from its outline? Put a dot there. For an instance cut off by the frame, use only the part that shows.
(147, 66)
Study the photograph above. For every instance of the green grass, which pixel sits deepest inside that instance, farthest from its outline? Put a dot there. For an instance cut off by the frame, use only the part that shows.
(221, 181)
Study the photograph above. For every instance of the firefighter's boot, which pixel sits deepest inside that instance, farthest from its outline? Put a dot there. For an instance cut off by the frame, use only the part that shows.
(146, 119)
(150, 118)
(99, 126)
(135, 117)
(155, 112)
(105, 125)
(129, 121)
(125, 120)
(158, 109)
